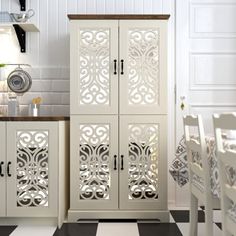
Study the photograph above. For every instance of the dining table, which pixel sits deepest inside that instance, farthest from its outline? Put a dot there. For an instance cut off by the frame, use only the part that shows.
(179, 166)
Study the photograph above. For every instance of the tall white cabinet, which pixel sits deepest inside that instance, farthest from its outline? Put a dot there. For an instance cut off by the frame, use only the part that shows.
(118, 116)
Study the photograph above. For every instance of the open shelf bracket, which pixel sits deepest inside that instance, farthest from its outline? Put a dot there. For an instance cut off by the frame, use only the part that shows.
(22, 5)
(20, 33)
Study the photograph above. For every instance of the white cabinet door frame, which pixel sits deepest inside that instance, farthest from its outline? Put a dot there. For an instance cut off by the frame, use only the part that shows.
(3, 167)
(94, 140)
(143, 84)
(135, 132)
(94, 86)
(32, 149)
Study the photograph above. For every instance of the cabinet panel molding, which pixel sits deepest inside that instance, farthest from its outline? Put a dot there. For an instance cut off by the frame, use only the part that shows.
(33, 169)
(143, 85)
(94, 67)
(94, 149)
(143, 179)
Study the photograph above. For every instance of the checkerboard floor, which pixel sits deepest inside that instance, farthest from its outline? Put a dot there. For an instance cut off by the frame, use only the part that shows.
(178, 226)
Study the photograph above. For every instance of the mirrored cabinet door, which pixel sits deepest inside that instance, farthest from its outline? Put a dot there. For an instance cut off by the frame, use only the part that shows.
(143, 67)
(32, 168)
(94, 158)
(94, 67)
(143, 164)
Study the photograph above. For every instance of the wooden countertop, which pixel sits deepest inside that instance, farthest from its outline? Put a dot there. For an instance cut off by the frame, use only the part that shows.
(34, 118)
(118, 17)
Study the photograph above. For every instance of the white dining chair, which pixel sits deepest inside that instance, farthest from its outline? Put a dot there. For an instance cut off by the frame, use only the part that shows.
(199, 175)
(226, 159)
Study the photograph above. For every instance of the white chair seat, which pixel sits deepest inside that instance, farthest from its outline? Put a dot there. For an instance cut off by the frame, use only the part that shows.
(232, 213)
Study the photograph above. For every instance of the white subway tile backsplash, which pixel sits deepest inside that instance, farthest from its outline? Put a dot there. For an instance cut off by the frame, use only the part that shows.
(28, 97)
(65, 98)
(33, 71)
(52, 98)
(41, 85)
(46, 110)
(60, 110)
(55, 73)
(60, 85)
(3, 86)
(24, 110)
(4, 98)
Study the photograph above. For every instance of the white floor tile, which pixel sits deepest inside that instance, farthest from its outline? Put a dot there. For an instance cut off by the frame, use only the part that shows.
(117, 229)
(179, 208)
(172, 219)
(34, 231)
(184, 228)
(217, 216)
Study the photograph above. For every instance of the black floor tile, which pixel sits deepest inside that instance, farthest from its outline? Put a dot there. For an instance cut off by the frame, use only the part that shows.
(163, 229)
(77, 229)
(183, 216)
(203, 208)
(219, 225)
(7, 230)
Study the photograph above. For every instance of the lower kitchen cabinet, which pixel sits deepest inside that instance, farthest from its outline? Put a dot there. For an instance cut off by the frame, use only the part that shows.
(118, 167)
(34, 164)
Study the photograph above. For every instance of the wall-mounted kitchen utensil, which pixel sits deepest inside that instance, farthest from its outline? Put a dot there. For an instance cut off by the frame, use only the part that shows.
(19, 81)
(23, 17)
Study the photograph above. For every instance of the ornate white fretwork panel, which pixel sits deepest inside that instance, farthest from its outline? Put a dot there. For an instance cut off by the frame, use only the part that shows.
(32, 168)
(143, 67)
(143, 161)
(94, 60)
(94, 173)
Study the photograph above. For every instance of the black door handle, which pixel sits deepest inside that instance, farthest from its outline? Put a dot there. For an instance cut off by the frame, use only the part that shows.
(1, 174)
(115, 67)
(122, 66)
(8, 169)
(115, 156)
(122, 162)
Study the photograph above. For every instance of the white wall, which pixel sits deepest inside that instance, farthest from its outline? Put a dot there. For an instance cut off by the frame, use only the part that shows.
(205, 63)
(48, 51)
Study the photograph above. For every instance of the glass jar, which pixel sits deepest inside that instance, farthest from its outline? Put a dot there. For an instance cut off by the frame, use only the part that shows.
(13, 105)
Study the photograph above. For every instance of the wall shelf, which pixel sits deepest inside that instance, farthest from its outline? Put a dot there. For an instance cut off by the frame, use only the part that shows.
(27, 27)
(21, 29)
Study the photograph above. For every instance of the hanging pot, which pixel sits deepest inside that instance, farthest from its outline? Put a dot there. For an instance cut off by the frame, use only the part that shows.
(19, 81)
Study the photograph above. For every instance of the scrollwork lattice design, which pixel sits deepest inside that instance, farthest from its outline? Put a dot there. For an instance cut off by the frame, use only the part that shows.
(143, 67)
(94, 162)
(143, 161)
(32, 168)
(94, 66)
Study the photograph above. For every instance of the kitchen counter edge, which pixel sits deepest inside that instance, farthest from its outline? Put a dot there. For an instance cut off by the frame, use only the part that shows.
(34, 118)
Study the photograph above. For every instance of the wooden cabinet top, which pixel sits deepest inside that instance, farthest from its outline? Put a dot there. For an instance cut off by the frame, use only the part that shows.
(34, 118)
(117, 17)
